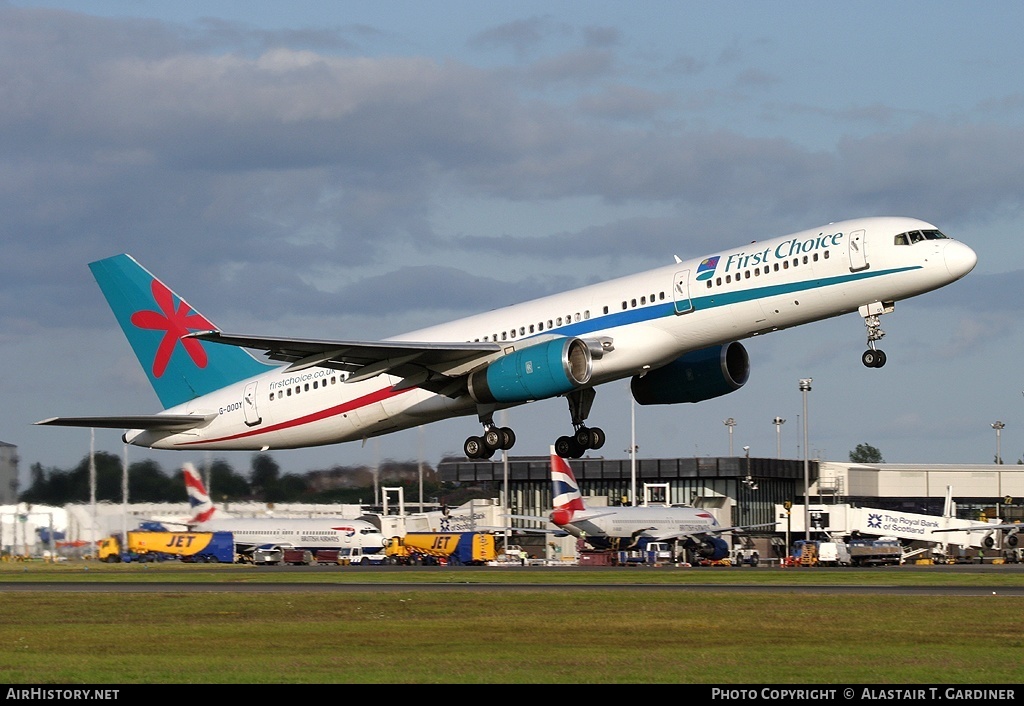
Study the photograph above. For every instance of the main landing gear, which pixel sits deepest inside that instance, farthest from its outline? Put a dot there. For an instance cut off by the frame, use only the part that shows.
(872, 357)
(497, 438)
(493, 439)
(584, 437)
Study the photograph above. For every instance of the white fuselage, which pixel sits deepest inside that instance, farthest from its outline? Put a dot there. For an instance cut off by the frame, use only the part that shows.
(299, 533)
(649, 319)
(641, 521)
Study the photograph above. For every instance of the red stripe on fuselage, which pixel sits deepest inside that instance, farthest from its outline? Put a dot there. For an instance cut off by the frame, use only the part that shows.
(378, 396)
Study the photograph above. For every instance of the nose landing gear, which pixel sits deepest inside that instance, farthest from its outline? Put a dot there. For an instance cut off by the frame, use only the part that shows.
(874, 358)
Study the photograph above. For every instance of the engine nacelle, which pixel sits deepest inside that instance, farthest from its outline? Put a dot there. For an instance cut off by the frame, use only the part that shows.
(694, 377)
(713, 549)
(534, 373)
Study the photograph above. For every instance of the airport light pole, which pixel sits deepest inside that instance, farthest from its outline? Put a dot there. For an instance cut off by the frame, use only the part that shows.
(998, 426)
(749, 480)
(730, 423)
(778, 422)
(805, 387)
(632, 451)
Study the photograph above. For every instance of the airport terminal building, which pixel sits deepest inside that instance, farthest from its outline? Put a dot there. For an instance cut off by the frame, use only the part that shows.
(749, 491)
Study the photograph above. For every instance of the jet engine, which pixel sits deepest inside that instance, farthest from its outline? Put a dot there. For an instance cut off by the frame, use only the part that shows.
(712, 548)
(695, 376)
(561, 516)
(534, 373)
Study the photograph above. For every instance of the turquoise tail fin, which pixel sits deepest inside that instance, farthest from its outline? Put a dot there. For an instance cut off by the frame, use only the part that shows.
(154, 319)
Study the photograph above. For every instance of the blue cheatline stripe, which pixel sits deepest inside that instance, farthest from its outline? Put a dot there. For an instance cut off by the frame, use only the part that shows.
(710, 301)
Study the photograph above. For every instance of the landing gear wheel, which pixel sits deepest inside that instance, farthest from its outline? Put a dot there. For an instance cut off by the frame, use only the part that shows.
(508, 438)
(575, 449)
(474, 447)
(564, 446)
(873, 358)
(493, 438)
(597, 438)
(582, 437)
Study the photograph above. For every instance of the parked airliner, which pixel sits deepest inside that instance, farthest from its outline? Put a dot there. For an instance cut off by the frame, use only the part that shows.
(251, 533)
(674, 331)
(696, 529)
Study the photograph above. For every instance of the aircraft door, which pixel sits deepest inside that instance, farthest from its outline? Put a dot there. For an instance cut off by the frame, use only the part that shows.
(858, 251)
(252, 416)
(681, 292)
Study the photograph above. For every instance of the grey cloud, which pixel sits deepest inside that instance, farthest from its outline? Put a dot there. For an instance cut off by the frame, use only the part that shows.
(523, 36)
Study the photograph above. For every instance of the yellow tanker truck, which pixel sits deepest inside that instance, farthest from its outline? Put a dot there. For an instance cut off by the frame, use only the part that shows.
(451, 548)
(144, 545)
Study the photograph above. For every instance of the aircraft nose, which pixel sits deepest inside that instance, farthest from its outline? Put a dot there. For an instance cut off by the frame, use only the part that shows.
(960, 259)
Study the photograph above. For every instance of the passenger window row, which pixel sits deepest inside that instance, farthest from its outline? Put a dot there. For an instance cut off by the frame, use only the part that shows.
(766, 270)
(306, 387)
(541, 326)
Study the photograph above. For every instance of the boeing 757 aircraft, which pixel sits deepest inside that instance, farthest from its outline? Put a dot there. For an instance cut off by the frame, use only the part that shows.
(674, 331)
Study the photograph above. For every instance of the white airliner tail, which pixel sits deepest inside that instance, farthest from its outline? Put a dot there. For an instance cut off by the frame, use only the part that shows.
(202, 506)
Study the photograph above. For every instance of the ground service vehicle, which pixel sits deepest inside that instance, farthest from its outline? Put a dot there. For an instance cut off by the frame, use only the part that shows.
(305, 557)
(880, 551)
(469, 548)
(647, 553)
(833, 554)
(143, 546)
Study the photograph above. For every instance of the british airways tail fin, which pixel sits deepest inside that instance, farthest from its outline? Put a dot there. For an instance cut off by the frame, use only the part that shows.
(565, 492)
(154, 319)
(198, 498)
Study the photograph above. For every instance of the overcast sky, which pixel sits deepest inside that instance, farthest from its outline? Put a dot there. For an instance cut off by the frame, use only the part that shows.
(355, 170)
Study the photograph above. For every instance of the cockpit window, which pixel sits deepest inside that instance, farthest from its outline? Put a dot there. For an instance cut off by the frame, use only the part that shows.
(916, 236)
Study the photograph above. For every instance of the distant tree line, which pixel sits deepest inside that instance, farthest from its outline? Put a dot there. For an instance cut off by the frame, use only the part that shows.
(149, 483)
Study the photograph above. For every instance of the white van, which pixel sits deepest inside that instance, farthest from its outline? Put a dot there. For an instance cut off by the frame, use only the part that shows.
(833, 554)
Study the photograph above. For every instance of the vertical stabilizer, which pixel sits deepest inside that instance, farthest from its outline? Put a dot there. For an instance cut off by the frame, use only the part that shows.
(198, 498)
(565, 492)
(154, 319)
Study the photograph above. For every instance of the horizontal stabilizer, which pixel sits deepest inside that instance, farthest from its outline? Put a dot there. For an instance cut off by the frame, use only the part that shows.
(152, 422)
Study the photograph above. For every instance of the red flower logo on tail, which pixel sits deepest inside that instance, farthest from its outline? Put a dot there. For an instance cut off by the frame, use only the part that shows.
(176, 323)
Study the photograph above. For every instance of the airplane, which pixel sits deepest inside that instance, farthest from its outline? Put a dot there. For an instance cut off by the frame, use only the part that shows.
(284, 533)
(622, 527)
(674, 331)
(697, 530)
(1009, 531)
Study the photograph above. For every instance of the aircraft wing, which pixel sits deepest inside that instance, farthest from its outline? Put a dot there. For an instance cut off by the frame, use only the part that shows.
(710, 530)
(419, 362)
(153, 422)
(530, 530)
(543, 518)
(981, 528)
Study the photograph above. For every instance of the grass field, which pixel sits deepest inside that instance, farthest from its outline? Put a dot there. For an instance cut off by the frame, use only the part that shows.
(411, 635)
